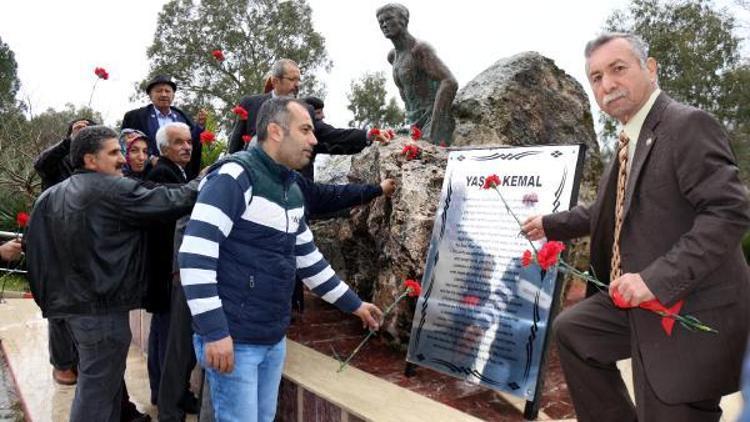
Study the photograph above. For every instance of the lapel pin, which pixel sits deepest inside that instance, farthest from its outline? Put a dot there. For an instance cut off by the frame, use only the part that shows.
(648, 141)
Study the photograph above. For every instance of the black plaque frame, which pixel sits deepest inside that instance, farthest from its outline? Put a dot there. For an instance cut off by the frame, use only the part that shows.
(531, 409)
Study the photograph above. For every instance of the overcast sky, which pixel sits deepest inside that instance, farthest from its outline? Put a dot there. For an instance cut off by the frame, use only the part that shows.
(58, 43)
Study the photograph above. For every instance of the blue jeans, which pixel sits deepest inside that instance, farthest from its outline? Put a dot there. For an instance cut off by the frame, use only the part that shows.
(248, 393)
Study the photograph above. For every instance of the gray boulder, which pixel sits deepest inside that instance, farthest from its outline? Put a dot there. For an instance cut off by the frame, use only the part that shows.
(527, 100)
(521, 100)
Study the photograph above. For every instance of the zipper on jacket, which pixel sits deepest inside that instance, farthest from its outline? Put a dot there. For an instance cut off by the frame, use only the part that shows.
(286, 204)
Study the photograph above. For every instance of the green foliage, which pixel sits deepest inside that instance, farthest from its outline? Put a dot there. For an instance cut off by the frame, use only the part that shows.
(367, 103)
(698, 55)
(740, 139)
(21, 140)
(9, 82)
(252, 35)
(14, 282)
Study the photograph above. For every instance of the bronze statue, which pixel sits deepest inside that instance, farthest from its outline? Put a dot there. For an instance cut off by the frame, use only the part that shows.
(425, 83)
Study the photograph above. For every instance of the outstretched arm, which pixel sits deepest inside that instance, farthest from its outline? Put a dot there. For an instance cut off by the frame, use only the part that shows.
(10, 250)
(321, 198)
(319, 277)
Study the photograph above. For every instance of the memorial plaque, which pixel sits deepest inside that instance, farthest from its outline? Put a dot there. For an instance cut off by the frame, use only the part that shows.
(482, 316)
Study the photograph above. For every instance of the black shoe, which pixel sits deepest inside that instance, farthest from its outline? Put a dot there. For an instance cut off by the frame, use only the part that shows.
(189, 403)
(129, 413)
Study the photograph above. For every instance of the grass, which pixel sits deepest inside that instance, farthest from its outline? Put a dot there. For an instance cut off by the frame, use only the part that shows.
(14, 282)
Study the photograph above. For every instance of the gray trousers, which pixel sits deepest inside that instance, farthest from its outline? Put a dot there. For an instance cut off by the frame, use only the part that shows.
(591, 337)
(103, 342)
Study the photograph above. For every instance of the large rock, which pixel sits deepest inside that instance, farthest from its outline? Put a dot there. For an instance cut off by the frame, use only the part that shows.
(527, 100)
(332, 168)
(522, 100)
(385, 243)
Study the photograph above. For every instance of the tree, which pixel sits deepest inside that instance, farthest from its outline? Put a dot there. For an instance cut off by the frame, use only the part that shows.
(21, 140)
(251, 34)
(697, 52)
(367, 103)
(9, 82)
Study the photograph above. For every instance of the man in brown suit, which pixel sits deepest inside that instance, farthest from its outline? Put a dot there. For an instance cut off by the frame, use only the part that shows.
(679, 219)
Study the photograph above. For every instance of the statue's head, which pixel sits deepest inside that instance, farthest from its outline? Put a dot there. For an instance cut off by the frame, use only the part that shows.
(393, 18)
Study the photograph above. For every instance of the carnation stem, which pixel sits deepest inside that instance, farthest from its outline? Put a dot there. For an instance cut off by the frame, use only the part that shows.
(510, 211)
(92, 91)
(371, 332)
(687, 321)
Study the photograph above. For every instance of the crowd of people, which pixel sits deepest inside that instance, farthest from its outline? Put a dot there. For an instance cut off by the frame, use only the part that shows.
(105, 233)
(126, 222)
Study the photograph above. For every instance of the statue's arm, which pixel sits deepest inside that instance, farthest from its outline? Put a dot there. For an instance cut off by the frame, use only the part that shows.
(437, 70)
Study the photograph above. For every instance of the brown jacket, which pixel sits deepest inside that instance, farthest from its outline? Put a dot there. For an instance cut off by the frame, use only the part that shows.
(685, 214)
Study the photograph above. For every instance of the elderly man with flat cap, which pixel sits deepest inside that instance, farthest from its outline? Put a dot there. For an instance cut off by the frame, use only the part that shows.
(149, 119)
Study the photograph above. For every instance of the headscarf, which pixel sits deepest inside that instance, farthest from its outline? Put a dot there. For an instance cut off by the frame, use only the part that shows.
(125, 145)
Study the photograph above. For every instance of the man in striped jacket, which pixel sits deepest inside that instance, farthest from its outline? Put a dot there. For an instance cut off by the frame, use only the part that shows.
(244, 243)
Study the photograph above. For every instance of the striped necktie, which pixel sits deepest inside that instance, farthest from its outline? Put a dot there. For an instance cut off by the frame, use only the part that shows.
(622, 181)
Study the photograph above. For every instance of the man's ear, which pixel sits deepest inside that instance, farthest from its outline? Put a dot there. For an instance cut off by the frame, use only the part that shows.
(89, 162)
(653, 69)
(275, 132)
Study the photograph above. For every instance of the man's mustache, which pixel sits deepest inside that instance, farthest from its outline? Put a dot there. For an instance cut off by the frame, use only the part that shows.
(613, 96)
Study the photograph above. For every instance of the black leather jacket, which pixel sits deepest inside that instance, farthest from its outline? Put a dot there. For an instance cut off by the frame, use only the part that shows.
(86, 238)
(53, 164)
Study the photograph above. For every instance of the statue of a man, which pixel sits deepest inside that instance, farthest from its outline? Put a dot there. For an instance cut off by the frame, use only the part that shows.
(425, 83)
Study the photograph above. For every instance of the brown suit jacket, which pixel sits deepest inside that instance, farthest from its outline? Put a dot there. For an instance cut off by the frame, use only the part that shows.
(685, 214)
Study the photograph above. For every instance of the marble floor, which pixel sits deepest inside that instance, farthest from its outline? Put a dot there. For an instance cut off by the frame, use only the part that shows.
(23, 336)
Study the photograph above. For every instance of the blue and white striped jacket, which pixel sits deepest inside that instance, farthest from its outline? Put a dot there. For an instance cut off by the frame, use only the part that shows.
(245, 240)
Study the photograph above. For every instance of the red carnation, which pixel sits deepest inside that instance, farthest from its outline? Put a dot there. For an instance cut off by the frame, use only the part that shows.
(527, 258)
(548, 255)
(218, 55)
(416, 133)
(207, 137)
(491, 181)
(391, 134)
(240, 111)
(22, 219)
(443, 144)
(411, 152)
(413, 286)
(101, 73)
(619, 301)
(373, 132)
(247, 138)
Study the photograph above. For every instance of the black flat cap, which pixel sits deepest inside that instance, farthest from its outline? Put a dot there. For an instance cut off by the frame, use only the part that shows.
(160, 79)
